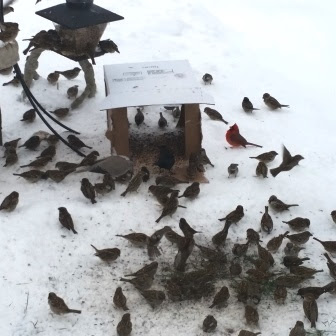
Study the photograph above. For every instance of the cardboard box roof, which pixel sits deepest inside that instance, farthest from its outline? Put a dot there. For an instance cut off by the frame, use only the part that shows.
(152, 83)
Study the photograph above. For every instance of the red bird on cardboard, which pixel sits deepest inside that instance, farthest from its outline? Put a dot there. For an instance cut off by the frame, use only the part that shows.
(234, 138)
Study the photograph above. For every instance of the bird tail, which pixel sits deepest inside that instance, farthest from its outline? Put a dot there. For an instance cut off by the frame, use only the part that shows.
(303, 259)
(94, 248)
(284, 105)
(181, 206)
(16, 174)
(180, 196)
(74, 311)
(285, 234)
(318, 240)
(89, 146)
(275, 171)
(213, 305)
(252, 144)
(222, 219)
(291, 205)
(124, 193)
(74, 231)
(158, 220)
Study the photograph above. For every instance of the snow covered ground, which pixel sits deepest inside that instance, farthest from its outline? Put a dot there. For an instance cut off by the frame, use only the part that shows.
(250, 47)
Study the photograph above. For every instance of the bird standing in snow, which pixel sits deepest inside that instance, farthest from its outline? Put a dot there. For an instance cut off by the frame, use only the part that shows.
(207, 78)
(58, 306)
(214, 114)
(235, 139)
(162, 121)
(271, 102)
(10, 202)
(247, 105)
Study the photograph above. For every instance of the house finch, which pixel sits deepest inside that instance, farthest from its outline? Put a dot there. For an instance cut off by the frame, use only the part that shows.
(235, 139)
(207, 78)
(298, 329)
(135, 183)
(331, 265)
(72, 92)
(299, 238)
(251, 315)
(141, 282)
(271, 102)
(53, 77)
(66, 219)
(221, 298)
(191, 191)
(262, 169)
(247, 105)
(108, 254)
(267, 157)
(170, 207)
(29, 116)
(56, 175)
(149, 269)
(298, 223)
(280, 294)
(214, 114)
(32, 175)
(204, 158)
(32, 143)
(234, 216)
(288, 162)
(137, 239)
(209, 324)
(162, 121)
(168, 181)
(69, 74)
(61, 112)
(139, 117)
(76, 142)
(278, 205)
(9, 31)
(166, 159)
(274, 244)
(290, 261)
(153, 297)
(108, 46)
(303, 270)
(58, 306)
(310, 309)
(266, 222)
(329, 246)
(119, 299)
(233, 169)
(124, 327)
(10, 202)
(292, 249)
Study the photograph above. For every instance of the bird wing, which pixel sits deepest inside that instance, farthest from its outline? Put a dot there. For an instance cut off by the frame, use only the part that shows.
(8, 3)
(286, 155)
(238, 139)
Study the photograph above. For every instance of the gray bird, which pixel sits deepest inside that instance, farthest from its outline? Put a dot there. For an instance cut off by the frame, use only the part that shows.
(139, 117)
(119, 299)
(214, 115)
(61, 112)
(267, 157)
(88, 190)
(191, 191)
(69, 74)
(72, 92)
(247, 105)
(278, 205)
(162, 121)
(310, 309)
(107, 254)
(271, 102)
(66, 219)
(76, 142)
(207, 78)
(298, 223)
(10, 202)
(266, 222)
(170, 207)
(233, 169)
(209, 324)
(134, 184)
(32, 175)
(29, 116)
(298, 329)
(262, 169)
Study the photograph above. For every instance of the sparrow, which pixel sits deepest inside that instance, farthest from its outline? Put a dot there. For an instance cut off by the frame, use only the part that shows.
(278, 205)
(292, 249)
(108, 254)
(233, 169)
(52, 139)
(329, 246)
(124, 327)
(274, 244)
(69, 74)
(331, 265)
(153, 242)
(47, 40)
(265, 255)
(32, 143)
(310, 309)
(247, 105)
(72, 92)
(262, 169)
(170, 207)
(11, 158)
(137, 239)
(289, 280)
(119, 299)
(13, 82)
(141, 282)
(298, 329)
(251, 315)
(176, 112)
(12, 143)
(32, 175)
(221, 298)
(299, 238)
(102, 188)
(29, 116)
(315, 291)
(184, 251)
(191, 191)
(149, 270)
(135, 183)
(153, 297)
(204, 158)
(187, 230)
(266, 222)
(271, 102)
(66, 219)
(267, 157)
(248, 333)
(219, 238)
(161, 193)
(209, 324)
(240, 250)
(290, 261)
(139, 117)
(50, 151)
(10, 202)
(66, 166)
(168, 181)
(58, 306)
(303, 271)
(298, 223)
(40, 162)
(61, 112)
(9, 31)
(207, 78)
(174, 237)
(234, 216)
(7, 8)
(53, 77)
(108, 46)
(280, 294)
(56, 175)
(214, 115)
(288, 162)
(162, 121)
(166, 159)
(109, 181)
(252, 236)
(235, 139)
(76, 142)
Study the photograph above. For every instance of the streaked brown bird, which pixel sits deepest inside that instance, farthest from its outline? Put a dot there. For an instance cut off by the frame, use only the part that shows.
(108, 46)
(329, 246)
(40, 162)
(76, 142)
(240, 250)
(265, 255)
(290, 261)
(32, 143)
(209, 324)
(219, 238)
(88, 190)
(61, 112)
(149, 269)
(107, 254)
(289, 280)
(119, 299)
(271, 102)
(139, 117)
(221, 298)
(192, 191)
(56, 175)
(267, 157)
(204, 158)
(266, 222)
(10, 202)
(135, 183)
(299, 238)
(69, 74)
(184, 251)
(331, 265)
(248, 106)
(50, 151)
(187, 230)
(303, 271)
(211, 254)
(29, 116)
(298, 329)
(58, 306)
(330, 288)
(316, 291)
(298, 223)
(262, 169)
(124, 327)
(72, 92)
(9, 31)
(11, 158)
(252, 236)
(234, 216)
(274, 244)
(279, 206)
(174, 237)
(292, 249)
(52, 139)
(32, 175)
(214, 115)
(161, 193)
(280, 294)
(251, 315)
(141, 282)
(53, 77)
(66, 219)
(162, 121)
(207, 78)
(170, 207)
(233, 169)
(153, 297)
(310, 309)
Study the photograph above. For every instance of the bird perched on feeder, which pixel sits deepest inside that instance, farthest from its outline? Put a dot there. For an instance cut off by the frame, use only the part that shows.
(262, 169)
(53, 77)
(235, 139)
(214, 114)
(288, 162)
(69, 74)
(310, 309)
(191, 191)
(207, 78)
(76, 142)
(166, 158)
(29, 116)
(32, 143)
(233, 169)
(58, 306)
(66, 219)
(267, 157)
(135, 183)
(10, 202)
(32, 175)
(162, 121)
(61, 112)
(247, 105)
(13, 82)
(9, 31)
(119, 299)
(107, 254)
(72, 92)
(88, 190)
(108, 46)
(139, 117)
(278, 205)
(271, 102)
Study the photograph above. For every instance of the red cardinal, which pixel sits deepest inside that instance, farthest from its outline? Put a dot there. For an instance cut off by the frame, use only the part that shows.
(234, 138)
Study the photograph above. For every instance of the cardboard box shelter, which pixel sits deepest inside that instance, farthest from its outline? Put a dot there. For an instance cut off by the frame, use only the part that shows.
(148, 84)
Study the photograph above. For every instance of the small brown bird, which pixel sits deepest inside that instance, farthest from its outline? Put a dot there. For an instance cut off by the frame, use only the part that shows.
(235, 268)
(76, 142)
(72, 92)
(298, 329)
(50, 151)
(53, 77)
(333, 216)
(329, 246)
(207, 78)
(289, 280)
(141, 282)
(32, 175)
(58, 306)
(221, 298)
(299, 238)
(32, 143)
(9, 31)
(233, 169)
(56, 175)
(278, 205)
(137, 239)
(11, 158)
(176, 112)
(288, 162)
(108, 46)
(88, 190)
(267, 157)
(265, 255)
(292, 249)
(109, 181)
(153, 297)
(209, 324)
(146, 177)
(174, 237)
(304, 271)
(40, 162)
(219, 238)
(135, 183)
(248, 333)
(161, 193)
(252, 236)
(274, 244)
(240, 250)
(168, 181)
(13, 82)
(298, 223)
(204, 158)
(234, 216)
(10, 202)
(310, 309)
(12, 143)
(262, 169)
(247, 105)
(266, 222)
(251, 315)
(162, 121)
(290, 261)
(271, 102)
(149, 269)
(191, 191)
(66, 219)
(61, 112)
(212, 255)
(139, 117)
(66, 166)
(69, 74)
(119, 299)
(102, 188)
(124, 327)
(316, 291)
(8, 9)
(170, 207)
(214, 115)
(280, 294)
(108, 254)
(331, 265)
(29, 116)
